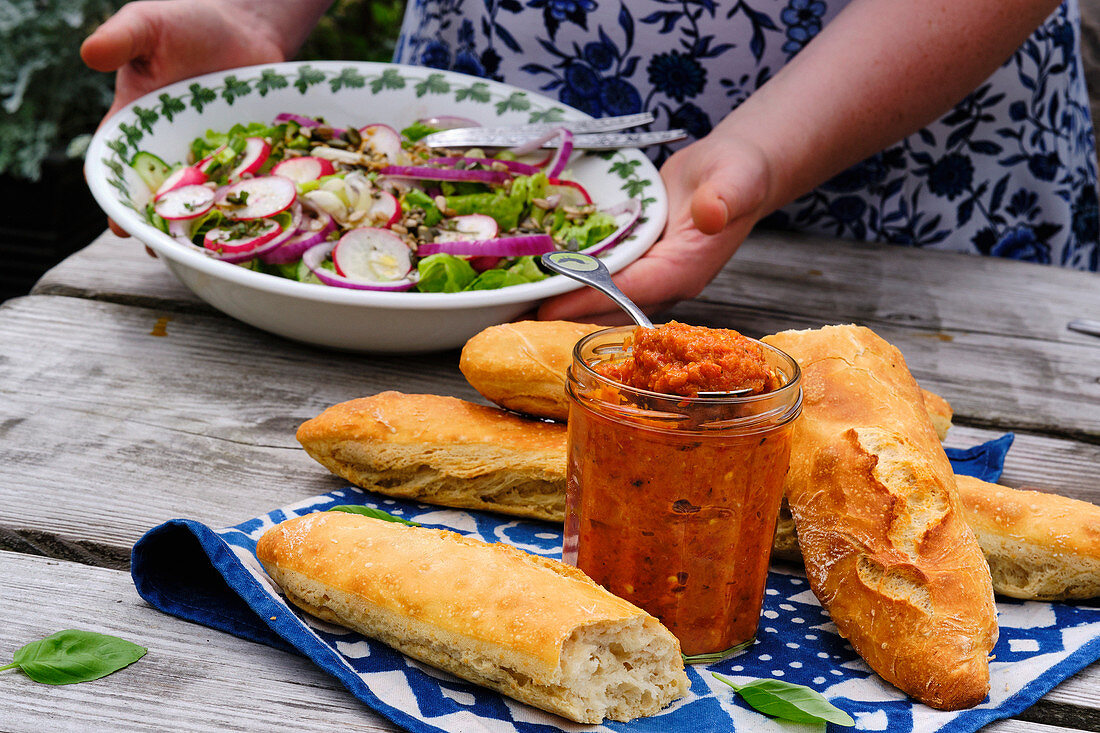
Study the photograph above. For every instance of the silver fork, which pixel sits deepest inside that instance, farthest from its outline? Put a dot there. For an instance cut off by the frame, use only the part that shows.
(593, 134)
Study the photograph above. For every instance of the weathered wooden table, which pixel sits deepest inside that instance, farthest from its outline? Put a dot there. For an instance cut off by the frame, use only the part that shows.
(127, 402)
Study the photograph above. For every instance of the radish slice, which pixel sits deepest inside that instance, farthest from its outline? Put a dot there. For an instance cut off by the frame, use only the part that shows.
(632, 210)
(304, 169)
(382, 140)
(203, 164)
(185, 202)
(571, 192)
(373, 255)
(313, 231)
(469, 227)
(185, 176)
(262, 197)
(444, 174)
(383, 210)
(302, 121)
(255, 154)
(531, 244)
(524, 169)
(314, 256)
(225, 241)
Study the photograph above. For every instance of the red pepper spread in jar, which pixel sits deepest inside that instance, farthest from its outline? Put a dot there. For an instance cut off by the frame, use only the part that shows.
(677, 516)
(679, 359)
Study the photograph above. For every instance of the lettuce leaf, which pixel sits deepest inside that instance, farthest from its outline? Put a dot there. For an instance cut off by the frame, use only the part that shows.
(444, 273)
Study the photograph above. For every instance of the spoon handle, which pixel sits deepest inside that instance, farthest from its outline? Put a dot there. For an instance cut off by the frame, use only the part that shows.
(592, 272)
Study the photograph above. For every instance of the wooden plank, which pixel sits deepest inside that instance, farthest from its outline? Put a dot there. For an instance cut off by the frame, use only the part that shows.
(193, 678)
(783, 274)
(124, 430)
(1038, 462)
(119, 270)
(198, 679)
(133, 429)
(841, 281)
(1023, 726)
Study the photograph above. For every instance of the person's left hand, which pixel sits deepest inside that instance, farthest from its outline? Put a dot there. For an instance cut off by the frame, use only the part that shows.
(717, 188)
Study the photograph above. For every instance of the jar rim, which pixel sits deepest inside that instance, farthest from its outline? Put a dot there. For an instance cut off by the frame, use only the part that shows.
(794, 378)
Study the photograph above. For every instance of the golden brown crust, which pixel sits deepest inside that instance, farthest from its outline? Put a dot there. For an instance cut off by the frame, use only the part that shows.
(505, 626)
(1039, 546)
(880, 525)
(521, 366)
(939, 410)
(443, 450)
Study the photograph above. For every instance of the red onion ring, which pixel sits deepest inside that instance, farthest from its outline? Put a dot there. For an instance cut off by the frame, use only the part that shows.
(314, 256)
(531, 244)
(532, 145)
(524, 169)
(633, 207)
(302, 121)
(427, 173)
(295, 246)
(561, 157)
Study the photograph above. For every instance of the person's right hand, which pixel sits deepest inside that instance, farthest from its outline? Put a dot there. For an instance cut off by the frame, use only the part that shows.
(154, 43)
(157, 42)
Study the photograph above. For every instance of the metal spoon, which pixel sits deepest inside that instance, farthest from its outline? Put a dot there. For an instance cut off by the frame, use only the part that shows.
(592, 272)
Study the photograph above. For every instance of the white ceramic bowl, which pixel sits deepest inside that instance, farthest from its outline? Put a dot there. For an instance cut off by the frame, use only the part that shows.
(348, 93)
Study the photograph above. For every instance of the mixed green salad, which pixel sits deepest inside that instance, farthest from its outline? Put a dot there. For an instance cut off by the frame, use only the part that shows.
(372, 208)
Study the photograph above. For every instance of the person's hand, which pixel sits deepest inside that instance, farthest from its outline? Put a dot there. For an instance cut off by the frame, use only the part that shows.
(154, 43)
(157, 42)
(717, 189)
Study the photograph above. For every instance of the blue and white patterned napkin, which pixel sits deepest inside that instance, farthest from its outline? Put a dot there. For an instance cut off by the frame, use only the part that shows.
(212, 577)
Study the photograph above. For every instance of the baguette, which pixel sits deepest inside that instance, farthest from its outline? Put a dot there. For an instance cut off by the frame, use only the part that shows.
(880, 525)
(1061, 545)
(531, 628)
(443, 450)
(521, 366)
(1039, 546)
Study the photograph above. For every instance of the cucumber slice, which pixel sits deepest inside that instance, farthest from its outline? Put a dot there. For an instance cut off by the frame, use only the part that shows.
(305, 275)
(151, 169)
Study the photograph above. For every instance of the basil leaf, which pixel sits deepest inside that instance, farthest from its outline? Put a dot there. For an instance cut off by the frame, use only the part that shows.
(75, 656)
(367, 511)
(788, 701)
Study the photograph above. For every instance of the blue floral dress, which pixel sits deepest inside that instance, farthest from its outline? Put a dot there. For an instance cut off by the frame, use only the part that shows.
(1010, 171)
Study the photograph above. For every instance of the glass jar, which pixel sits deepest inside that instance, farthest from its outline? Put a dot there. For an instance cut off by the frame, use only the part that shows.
(672, 501)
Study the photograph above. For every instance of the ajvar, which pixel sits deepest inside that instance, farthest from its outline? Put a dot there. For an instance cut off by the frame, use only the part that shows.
(678, 521)
(684, 360)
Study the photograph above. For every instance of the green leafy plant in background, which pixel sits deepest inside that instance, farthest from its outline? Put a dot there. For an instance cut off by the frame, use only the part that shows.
(356, 30)
(47, 96)
(50, 103)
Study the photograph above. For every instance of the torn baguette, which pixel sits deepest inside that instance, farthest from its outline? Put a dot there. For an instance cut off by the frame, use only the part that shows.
(880, 523)
(443, 450)
(529, 627)
(521, 366)
(1039, 546)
